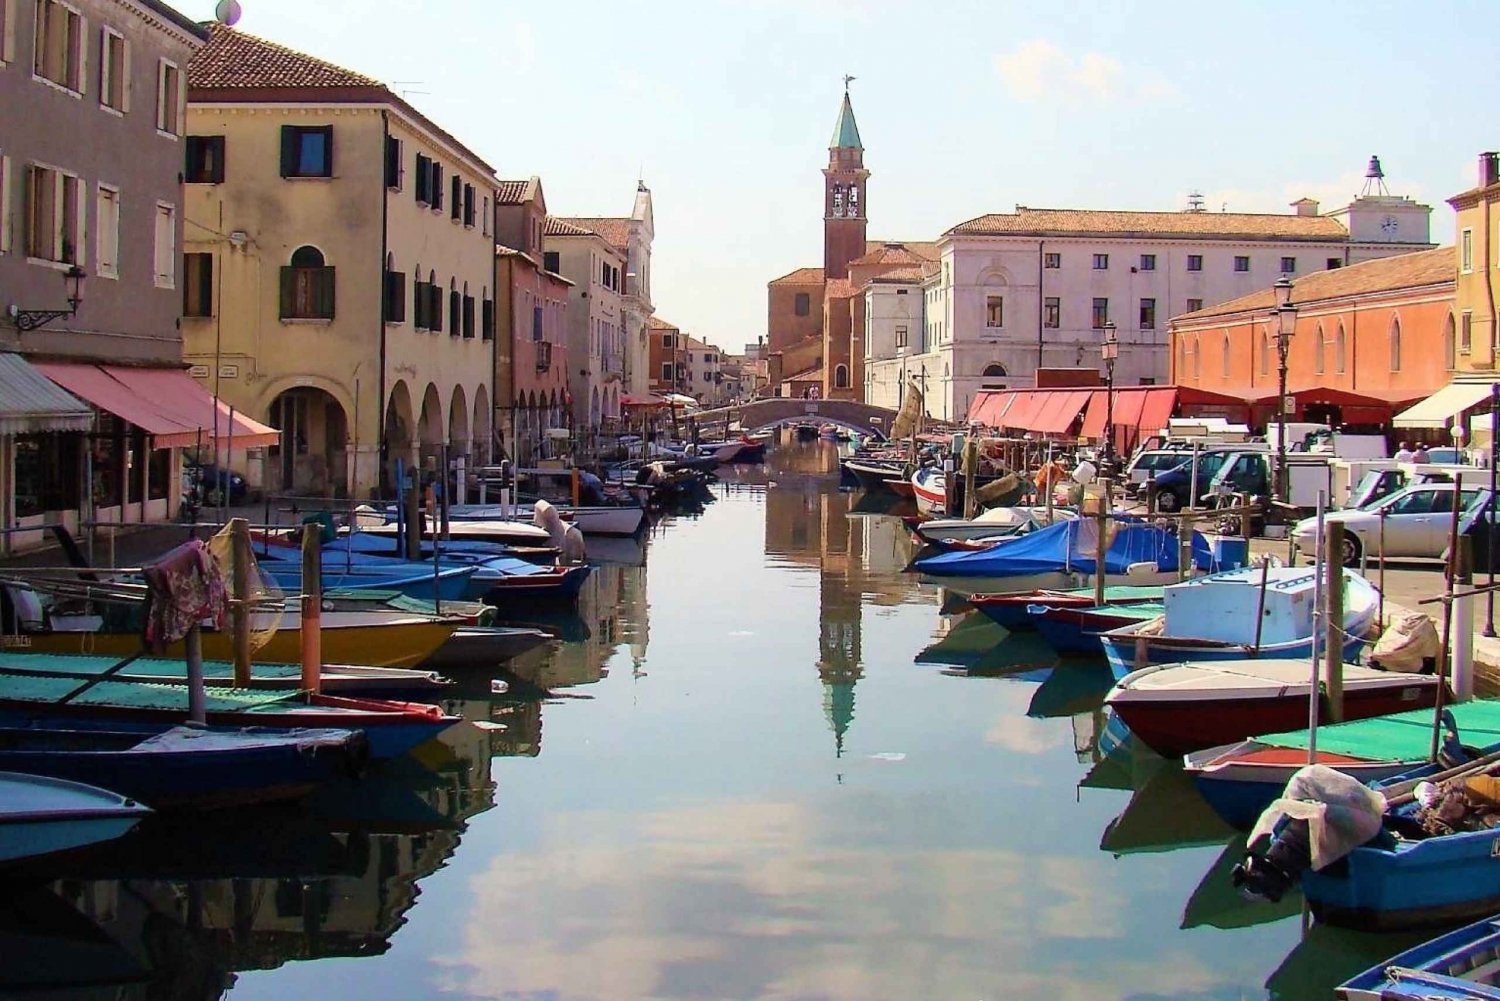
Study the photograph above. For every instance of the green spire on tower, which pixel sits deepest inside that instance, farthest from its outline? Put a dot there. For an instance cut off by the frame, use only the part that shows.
(845, 132)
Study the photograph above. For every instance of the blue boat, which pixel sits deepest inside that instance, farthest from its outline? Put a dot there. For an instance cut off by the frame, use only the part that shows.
(1077, 630)
(45, 816)
(187, 767)
(1461, 965)
(1213, 618)
(1012, 610)
(449, 583)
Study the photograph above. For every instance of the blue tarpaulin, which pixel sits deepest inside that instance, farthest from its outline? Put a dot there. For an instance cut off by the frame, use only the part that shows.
(1068, 545)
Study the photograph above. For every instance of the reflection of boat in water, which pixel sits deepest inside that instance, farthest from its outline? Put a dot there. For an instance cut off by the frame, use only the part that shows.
(46, 946)
(965, 642)
(1071, 689)
(1164, 814)
(1216, 903)
(1327, 956)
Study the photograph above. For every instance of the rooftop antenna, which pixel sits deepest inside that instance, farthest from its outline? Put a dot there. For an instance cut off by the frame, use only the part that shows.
(227, 12)
(1374, 179)
(1195, 201)
(409, 87)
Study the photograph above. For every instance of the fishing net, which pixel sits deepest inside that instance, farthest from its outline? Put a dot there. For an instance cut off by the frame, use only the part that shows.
(267, 602)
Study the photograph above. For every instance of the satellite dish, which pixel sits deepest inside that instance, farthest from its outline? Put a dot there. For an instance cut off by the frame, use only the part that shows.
(227, 12)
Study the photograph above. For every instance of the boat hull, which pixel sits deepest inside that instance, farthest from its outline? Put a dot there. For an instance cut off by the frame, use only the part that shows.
(41, 816)
(1245, 780)
(486, 646)
(1127, 652)
(564, 584)
(1441, 968)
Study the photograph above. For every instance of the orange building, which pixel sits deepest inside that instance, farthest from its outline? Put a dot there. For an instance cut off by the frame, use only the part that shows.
(1370, 339)
(664, 354)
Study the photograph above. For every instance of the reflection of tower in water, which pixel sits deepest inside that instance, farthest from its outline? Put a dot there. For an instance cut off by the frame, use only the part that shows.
(839, 609)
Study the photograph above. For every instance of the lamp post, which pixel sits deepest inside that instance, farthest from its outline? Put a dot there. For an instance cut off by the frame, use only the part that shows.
(1285, 317)
(1109, 350)
(31, 319)
(1489, 536)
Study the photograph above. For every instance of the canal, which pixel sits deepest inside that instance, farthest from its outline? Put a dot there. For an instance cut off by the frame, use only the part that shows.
(766, 763)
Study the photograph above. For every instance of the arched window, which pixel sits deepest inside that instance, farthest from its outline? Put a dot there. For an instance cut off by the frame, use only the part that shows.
(1265, 352)
(1225, 354)
(419, 299)
(995, 370)
(1395, 344)
(1340, 350)
(455, 308)
(841, 376)
(1450, 344)
(307, 286)
(1197, 356)
(1318, 338)
(1181, 356)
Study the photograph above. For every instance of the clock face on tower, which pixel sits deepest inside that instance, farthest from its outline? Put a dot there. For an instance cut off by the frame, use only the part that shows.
(1389, 225)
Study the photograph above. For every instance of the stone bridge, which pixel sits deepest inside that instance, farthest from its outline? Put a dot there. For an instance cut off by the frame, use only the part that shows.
(861, 417)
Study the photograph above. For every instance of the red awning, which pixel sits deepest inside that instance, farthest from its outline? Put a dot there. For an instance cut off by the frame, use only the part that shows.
(1059, 410)
(989, 406)
(1021, 410)
(166, 403)
(1156, 411)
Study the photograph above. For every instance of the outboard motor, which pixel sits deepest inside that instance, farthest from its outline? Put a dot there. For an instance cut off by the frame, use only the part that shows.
(1270, 875)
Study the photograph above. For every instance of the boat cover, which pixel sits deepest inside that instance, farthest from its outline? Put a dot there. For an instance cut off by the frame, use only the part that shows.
(1068, 545)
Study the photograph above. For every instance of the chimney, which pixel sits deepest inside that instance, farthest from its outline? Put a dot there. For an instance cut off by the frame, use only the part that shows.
(1489, 169)
(1306, 206)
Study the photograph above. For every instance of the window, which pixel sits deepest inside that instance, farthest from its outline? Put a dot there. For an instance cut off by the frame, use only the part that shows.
(307, 151)
(197, 284)
(1288, 265)
(58, 53)
(54, 217)
(841, 377)
(1148, 262)
(484, 216)
(666, 341)
(166, 245)
(455, 310)
(1450, 345)
(1195, 262)
(1193, 305)
(5, 210)
(168, 98)
(666, 371)
(901, 337)
(1395, 344)
(424, 180)
(205, 160)
(469, 205)
(1052, 260)
(1265, 352)
(1148, 314)
(307, 286)
(1465, 332)
(1101, 312)
(1334, 262)
(994, 311)
(114, 67)
(487, 319)
(1224, 358)
(1052, 312)
(1101, 262)
(802, 305)
(456, 202)
(418, 300)
(1466, 251)
(536, 324)
(1318, 351)
(435, 188)
(393, 163)
(551, 260)
(434, 304)
(394, 306)
(468, 315)
(107, 233)
(1242, 263)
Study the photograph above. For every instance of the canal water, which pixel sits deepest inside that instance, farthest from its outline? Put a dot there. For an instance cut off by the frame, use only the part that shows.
(765, 763)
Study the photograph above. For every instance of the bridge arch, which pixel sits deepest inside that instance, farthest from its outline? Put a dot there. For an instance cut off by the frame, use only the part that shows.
(769, 413)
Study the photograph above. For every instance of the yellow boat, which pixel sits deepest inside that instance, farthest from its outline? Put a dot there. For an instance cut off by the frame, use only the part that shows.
(348, 638)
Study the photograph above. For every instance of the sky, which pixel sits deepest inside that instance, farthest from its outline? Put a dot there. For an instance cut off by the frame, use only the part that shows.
(965, 107)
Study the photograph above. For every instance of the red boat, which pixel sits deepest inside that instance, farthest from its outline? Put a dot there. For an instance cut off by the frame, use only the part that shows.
(1178, 708)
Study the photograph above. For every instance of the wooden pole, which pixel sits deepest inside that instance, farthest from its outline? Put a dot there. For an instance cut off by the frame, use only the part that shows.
(1046, 480)
(1333, 618)
(239, 608)
(1451, 575)
(413, 515)
(1260, 609)
(312, 611)
(1101, 547)
(971, 460)
(197, 709)
(443, 500)
(1380, 614)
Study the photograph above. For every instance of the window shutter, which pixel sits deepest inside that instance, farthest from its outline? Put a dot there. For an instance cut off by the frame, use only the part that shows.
(324, 286)
(458, 197)
(468, 204)
(288, 151)
(424, 177)
(288, 292)
(392, 162)
(468, 316)
(437, 186)
(220, 145)
(455, 313)
(328, 151)
(418, 305)
(487, 320)
(434, 308)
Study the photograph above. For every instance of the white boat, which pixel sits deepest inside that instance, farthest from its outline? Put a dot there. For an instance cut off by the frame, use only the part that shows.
(994, 523)
(43, 816)
(510, 533)
(604, 519)
(930, 489)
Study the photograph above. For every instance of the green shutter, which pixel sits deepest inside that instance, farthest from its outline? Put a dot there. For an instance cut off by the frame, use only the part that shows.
(328, 162)
(324, 288)
(288, 292)
(288, 152)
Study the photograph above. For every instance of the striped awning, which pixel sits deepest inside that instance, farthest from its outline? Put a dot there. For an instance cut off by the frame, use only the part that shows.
(30, 402)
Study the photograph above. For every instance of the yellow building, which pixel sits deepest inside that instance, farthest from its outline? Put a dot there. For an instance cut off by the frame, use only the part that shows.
(339, 267)
(1478, 237)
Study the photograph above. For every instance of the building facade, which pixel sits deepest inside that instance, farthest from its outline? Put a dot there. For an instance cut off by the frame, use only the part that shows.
(668, 370)
(340, 267)
(531, 349)
(1478, 279)
(703, 372)
(91, 148)
(596, 341)
(631, 236)
(894, 335)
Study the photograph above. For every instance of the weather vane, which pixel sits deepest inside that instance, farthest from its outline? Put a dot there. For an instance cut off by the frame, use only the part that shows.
(847, 81)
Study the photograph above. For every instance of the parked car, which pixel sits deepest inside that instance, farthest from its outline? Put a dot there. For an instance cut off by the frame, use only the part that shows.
(1176, 487)
(1417, 523)
(214, 483)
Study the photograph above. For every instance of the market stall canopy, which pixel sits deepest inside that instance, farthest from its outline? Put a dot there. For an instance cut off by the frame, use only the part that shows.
(681, 400)
(1439, 409)
(166, 403)
(646, 402)
(30, 402)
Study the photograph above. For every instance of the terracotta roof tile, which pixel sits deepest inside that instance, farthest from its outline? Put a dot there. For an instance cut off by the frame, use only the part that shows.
(512, 192)
(234, 59)
(840, 288)
(925, 249)
(802, 276)
(891, 253)
(1201, 225)
(616, 232)
(564, 227)
(918, 273)
(1425, 267)
(657, 323)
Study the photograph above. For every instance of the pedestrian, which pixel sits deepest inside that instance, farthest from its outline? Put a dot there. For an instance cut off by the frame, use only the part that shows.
(1404, 453)
(1420, 455)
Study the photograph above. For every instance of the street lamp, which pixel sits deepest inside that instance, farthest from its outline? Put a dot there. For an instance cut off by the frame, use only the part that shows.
(1109, 350)
(31, 319)
(1285, 316)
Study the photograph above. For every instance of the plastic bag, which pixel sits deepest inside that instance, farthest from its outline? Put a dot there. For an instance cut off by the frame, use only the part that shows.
(1407, 642)
(1342, 812)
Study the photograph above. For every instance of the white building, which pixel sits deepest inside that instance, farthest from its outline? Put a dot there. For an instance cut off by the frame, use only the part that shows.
(596, 339)
(1032, 289)
(702, 374)
(896, 337)
(632, 236)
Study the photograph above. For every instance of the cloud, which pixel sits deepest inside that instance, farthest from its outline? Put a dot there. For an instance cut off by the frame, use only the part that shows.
(1038, 70)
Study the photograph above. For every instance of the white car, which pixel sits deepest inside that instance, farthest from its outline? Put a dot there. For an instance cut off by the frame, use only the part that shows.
(1417, 523)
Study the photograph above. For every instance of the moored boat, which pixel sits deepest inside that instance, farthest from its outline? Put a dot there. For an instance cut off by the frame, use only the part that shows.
(41, 816)
(1076, 630)
(1461, 965)
(930, 489)
(874, 474)
(1012, 610)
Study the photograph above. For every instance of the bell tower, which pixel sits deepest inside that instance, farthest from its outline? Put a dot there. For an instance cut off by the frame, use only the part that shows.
(844, 218)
